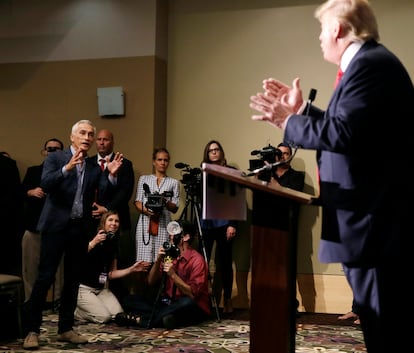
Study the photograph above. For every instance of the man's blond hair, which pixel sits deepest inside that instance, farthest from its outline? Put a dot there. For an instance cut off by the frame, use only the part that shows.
(355, 16)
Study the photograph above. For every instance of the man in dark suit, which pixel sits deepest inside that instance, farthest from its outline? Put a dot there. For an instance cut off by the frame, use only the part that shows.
(11, 210)
(70, 180)
(34, 197)
(118, 201)
(366, 215)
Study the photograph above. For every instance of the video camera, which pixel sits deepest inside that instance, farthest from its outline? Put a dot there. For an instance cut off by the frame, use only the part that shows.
(270, 154)
(191, 179)
(155, 201)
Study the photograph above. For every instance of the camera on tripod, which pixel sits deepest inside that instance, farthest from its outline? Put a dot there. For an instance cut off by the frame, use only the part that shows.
(191, 179)
(269, 154)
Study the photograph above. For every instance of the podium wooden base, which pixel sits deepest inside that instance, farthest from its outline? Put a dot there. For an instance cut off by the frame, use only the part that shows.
(273, 248)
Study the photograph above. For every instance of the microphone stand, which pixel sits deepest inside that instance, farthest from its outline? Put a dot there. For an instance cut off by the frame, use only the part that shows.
(266, 168)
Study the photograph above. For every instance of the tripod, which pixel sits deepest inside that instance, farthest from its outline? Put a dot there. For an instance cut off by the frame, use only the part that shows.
(157, 299)
(191, 213)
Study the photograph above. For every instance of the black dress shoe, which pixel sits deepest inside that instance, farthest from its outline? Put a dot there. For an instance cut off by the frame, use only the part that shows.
(127, 319)
(169, 322)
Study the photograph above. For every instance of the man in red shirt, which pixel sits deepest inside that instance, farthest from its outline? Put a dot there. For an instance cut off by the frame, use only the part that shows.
(182, 275)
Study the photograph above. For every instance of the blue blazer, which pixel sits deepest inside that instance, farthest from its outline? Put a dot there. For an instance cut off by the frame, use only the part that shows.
(61, 190)
(361, 136)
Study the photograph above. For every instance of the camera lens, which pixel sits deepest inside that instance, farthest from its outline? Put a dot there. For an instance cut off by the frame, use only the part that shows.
(110, 235)
(171, 250)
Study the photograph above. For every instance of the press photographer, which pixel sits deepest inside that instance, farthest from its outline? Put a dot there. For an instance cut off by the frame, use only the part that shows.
(157, 198)
(171, 249)
(96, 302)
(156, 201)
(184, 299)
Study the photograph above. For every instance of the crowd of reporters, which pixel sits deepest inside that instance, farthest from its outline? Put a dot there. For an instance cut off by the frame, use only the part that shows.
(173, 293)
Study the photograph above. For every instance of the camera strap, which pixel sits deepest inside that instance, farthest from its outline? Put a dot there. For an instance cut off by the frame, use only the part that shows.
(154, 222)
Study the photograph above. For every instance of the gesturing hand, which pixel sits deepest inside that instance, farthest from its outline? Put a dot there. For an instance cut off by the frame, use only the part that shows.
(140, 266)
(277, 102)
(289, 96)
(114, 165)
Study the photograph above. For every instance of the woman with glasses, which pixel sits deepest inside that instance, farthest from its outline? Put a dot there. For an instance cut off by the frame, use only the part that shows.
(222, 232)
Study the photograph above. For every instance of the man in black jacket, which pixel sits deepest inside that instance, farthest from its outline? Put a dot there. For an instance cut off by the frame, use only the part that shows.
(11, 206)
(34, 198)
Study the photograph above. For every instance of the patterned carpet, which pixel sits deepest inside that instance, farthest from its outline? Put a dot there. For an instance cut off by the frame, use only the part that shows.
(227, 336)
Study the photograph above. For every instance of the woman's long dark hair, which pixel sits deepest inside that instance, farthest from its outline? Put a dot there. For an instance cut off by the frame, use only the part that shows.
(206, 158)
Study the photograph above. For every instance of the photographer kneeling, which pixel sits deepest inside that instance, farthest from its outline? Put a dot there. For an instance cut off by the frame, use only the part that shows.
(182, 276)
(96, 302)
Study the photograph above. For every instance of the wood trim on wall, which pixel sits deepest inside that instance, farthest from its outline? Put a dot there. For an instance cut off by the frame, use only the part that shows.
(329, 294)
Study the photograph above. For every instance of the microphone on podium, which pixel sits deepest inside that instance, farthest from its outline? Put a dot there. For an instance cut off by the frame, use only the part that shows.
(311, 98)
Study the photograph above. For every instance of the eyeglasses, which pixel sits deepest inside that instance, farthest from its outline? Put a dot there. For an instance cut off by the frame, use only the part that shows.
(214, 150)
(52, 149)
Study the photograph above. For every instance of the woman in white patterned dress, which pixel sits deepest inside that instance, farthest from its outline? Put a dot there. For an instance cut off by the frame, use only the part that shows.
(163, 192)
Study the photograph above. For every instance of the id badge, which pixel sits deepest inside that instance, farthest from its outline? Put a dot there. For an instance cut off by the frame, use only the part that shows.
(103, 277)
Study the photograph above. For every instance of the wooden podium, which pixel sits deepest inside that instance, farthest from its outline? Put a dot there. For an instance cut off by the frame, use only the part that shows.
(273, 261)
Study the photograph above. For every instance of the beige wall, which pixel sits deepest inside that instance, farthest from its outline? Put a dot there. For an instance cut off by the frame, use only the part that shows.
(219, 53)
(56, 53)
(44, 100)
(54, 56)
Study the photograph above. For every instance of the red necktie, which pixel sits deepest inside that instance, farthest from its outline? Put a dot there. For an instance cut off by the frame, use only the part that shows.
(102, 161)
(338, 77)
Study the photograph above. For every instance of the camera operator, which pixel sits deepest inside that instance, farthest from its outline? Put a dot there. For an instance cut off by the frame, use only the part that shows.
(151, 230)
(96, 302)
(183, 298)
(284, 174)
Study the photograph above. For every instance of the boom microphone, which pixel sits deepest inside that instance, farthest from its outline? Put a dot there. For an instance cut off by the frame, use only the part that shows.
(180, 165)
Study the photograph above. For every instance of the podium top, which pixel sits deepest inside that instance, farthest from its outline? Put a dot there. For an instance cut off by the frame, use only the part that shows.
(254, 183)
